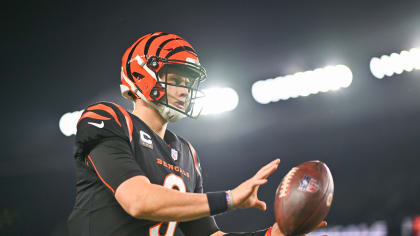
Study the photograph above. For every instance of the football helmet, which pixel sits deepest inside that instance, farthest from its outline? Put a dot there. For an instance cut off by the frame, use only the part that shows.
(144, 72)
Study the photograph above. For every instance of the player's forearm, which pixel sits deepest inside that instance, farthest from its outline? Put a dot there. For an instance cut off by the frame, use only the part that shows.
(163, 204)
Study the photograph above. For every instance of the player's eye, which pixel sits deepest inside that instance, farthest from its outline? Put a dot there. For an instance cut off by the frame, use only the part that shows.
(178, 81)
(174, 81)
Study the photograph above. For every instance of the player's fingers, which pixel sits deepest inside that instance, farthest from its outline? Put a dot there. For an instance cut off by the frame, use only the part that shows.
(263, 171)
(321, 225)
(259, 182)
(274, 162)
(269, 165)
(267, 172)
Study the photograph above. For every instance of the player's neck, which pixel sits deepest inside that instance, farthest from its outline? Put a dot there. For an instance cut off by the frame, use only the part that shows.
(151, 117)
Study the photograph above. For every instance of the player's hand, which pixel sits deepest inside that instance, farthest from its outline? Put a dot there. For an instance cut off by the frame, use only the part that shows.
(246, 194)
(276, 231)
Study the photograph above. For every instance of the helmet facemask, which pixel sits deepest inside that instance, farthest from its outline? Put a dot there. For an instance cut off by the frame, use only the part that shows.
(191, 76)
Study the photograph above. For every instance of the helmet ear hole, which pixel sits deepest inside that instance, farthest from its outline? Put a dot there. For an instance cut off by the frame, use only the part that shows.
(155, 92)
(153, 62)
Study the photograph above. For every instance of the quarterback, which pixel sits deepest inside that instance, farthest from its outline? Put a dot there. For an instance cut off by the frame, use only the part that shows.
(136, 177)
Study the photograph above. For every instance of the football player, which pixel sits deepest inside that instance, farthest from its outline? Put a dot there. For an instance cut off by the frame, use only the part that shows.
(136, 177)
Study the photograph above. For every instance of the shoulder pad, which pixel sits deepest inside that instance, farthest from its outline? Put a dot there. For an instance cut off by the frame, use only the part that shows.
(100, 121)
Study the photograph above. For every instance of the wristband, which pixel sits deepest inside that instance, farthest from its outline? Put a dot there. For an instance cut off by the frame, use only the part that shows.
(229, 200)
(217, 202)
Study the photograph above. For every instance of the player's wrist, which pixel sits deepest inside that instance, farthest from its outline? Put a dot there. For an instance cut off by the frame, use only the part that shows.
(220, 202)
(217, 202)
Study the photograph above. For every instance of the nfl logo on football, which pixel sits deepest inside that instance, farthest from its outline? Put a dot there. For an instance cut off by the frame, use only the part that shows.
(309, 184)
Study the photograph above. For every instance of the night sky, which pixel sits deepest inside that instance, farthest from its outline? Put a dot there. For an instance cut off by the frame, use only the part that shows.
(61, 56)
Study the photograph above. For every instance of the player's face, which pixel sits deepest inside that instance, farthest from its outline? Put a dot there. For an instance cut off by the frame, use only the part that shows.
(177, 96)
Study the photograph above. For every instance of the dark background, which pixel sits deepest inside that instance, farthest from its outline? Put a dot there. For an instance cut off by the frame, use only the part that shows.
(60, 56)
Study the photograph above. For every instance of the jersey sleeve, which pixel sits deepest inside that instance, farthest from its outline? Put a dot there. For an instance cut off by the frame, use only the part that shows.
(103, 142)
(201, 227)
(113, 162)
(99, 122)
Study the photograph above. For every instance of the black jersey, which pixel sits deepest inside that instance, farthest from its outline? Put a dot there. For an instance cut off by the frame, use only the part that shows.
(112, 146)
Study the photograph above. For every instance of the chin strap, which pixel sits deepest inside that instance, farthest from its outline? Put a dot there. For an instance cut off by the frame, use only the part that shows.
(168, 113)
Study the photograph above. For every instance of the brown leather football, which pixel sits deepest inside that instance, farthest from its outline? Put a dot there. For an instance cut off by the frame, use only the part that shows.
(303, 198)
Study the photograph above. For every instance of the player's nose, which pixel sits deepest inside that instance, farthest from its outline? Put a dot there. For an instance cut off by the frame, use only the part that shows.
(182, 92)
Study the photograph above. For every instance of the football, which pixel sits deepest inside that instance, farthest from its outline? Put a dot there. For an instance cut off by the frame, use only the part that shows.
(303, 198)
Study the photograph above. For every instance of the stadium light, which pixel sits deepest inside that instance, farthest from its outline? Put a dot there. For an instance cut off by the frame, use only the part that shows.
(395, 63)
(302, 84)
(218, 100)
(68, 122)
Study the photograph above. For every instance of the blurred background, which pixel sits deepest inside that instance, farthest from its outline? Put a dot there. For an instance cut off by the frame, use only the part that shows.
(60, 56)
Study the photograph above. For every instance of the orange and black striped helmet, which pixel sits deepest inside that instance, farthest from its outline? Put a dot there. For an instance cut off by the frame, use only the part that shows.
(148, 57)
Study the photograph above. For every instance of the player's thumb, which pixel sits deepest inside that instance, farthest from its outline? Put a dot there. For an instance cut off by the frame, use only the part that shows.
(323, 224)
(261, 205)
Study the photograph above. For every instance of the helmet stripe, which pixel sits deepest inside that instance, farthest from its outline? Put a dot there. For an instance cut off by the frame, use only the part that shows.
(107, 109)
(163, 44)
(128, 120)
(92, 115)
(180, 49)
(149, 42)
(129, 57)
